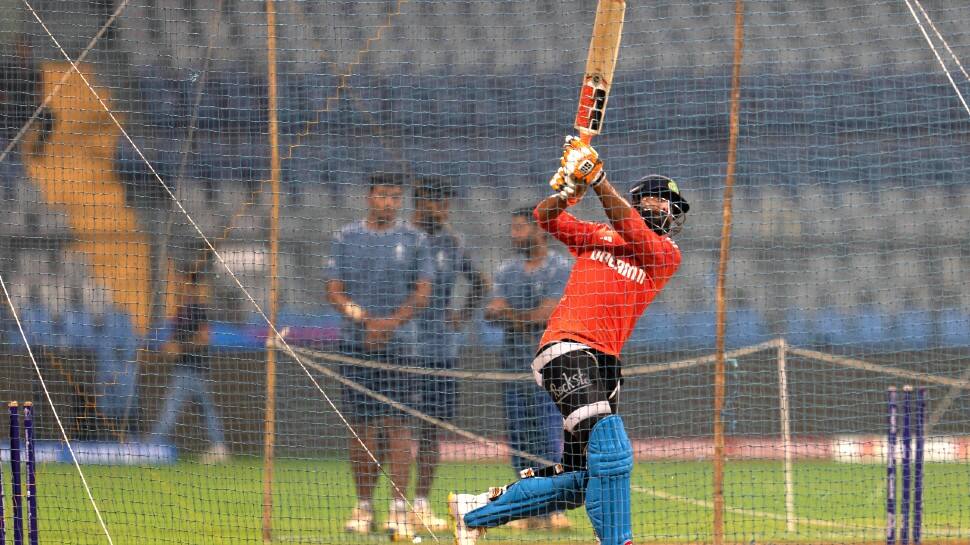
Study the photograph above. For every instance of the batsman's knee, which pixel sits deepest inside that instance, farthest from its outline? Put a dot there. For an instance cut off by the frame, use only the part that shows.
(609, 451)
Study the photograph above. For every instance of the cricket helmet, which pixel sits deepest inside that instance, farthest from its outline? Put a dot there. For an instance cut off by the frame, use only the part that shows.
(661, 222)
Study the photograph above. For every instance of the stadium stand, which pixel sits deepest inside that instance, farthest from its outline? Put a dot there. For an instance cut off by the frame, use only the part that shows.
(807, 140)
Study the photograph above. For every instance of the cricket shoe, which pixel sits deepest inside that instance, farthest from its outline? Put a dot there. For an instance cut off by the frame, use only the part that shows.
(361, 521)
(398, 525)
(558, 522)
(422, 518)
(460, 505)
(217, 454)
(522, 524)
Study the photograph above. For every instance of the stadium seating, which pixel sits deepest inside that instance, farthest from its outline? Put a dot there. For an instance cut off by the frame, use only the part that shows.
(747, 326)
(872, 326)
(955, 327)
(658, 329)
(837, 146)
(37, 323)
(78, 326)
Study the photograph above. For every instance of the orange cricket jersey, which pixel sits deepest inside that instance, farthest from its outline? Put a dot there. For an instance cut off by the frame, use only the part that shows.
(618, 272)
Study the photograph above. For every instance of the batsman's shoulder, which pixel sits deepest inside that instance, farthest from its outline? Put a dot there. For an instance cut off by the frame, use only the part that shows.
(675, 257)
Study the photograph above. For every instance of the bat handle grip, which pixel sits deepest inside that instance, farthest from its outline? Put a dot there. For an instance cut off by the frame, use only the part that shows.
(585, 137)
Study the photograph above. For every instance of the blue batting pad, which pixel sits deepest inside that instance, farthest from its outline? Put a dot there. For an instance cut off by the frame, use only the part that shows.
(610, 463)
(532, 497)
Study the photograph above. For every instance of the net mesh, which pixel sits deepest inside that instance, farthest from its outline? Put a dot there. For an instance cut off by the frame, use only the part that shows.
(848, 271)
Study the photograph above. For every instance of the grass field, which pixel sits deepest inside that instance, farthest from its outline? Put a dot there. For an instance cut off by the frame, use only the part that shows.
(195, 504)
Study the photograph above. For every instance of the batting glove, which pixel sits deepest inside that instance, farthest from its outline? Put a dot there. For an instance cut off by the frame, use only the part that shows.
(564, 186)
(581, 162)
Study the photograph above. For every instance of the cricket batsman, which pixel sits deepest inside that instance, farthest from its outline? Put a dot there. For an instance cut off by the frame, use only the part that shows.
(619, 270)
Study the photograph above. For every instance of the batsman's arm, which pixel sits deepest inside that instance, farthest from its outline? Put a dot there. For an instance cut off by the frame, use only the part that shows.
(548, 209)
(552, 218)
(617, 209)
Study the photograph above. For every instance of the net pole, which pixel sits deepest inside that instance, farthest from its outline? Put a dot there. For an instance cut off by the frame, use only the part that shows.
(719, 379)
(783, 407)
(269, 425)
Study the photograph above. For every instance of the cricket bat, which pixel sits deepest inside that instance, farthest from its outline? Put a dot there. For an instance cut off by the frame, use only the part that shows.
(604, 47)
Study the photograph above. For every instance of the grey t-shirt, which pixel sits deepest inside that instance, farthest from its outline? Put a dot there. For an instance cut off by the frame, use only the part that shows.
(450, 259)
(379, 270)
(526, 290)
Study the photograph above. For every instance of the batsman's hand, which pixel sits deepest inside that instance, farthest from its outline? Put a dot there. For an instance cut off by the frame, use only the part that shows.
(581, 162)
(566, 187)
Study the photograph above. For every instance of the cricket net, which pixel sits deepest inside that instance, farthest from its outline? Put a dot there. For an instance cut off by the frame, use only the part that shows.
(181, 181)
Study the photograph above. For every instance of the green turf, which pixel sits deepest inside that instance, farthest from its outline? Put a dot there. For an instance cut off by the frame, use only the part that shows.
(194, 504)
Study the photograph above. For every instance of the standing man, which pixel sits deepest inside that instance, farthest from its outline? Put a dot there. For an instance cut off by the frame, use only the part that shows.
(190, 377)
(619, 270)
(439, 328)
(379, 278)
(527, 290)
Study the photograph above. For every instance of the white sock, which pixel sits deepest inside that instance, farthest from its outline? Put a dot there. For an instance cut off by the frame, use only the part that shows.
(399, 505)
(363, 505)
(420, 502)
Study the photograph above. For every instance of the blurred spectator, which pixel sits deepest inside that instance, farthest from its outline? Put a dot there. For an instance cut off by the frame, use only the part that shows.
(379, 278)
(18, 89)
(116, 374)
(440, 327)
(527, 289)
(190, 376)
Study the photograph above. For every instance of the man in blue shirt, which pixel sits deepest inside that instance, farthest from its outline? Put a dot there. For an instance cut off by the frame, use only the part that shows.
(379, 278)
(527, 290)
(190, 375)
(440, 326)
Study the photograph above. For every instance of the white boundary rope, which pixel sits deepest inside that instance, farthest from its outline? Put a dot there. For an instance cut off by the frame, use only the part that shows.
(50, 402)
(401, 493)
